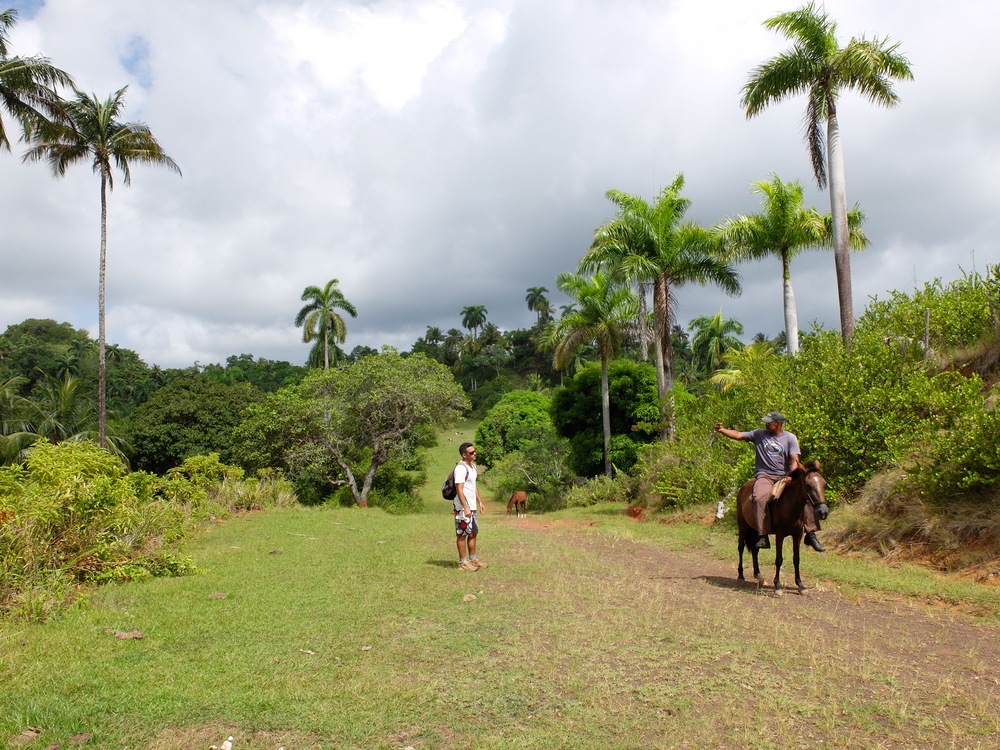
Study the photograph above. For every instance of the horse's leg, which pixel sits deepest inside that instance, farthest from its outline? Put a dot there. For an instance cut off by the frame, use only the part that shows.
(756, 564)
(796, 542)
(779, 542)
(741, 542)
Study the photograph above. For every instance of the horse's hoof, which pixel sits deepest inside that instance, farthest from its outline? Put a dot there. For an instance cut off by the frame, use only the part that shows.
(779, 592)
(760, 580)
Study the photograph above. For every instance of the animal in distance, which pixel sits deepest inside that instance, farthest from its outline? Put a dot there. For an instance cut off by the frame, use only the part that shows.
(519, 503)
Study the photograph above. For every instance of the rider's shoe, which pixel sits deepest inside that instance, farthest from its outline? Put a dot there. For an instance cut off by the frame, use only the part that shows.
(763, 542)
(813, 542)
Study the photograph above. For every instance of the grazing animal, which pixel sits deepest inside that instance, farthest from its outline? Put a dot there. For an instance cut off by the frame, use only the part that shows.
(784, 518)
(518, 502)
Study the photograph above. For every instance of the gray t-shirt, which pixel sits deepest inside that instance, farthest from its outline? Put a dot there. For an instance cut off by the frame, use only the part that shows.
(774, 452)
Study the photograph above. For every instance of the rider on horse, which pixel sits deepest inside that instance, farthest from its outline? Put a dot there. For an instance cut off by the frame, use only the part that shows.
(777, 456)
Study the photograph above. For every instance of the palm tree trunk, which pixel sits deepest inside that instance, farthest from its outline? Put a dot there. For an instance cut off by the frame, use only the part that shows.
(791, 315)
(643, 322)
(326, 350)
(606, 411)
(102, 417)
(662, 333)
(838, 211)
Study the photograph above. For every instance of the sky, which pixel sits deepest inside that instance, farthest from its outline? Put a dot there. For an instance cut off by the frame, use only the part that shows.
(436, 154)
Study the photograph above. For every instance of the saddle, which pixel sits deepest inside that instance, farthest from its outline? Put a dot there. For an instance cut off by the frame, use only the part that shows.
(746, 504)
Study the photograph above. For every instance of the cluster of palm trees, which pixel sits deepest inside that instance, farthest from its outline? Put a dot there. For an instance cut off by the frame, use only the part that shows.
(650, 246)
(63, 132)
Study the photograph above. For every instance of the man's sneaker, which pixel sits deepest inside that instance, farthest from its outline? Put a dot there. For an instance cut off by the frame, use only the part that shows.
(813, 542)
(479, 563)
(468, 565)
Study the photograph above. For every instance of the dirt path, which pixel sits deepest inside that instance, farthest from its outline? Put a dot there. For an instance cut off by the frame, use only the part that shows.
(923, 660)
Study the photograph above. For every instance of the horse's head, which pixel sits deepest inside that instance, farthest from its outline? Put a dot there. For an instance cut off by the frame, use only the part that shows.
(816, 489)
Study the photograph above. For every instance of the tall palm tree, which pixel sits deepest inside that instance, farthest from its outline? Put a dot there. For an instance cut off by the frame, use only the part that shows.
(26, 84)
(319, 318)
(473, 317)
(652, 243)
(606, 318)
(820, 68)
(92, 131)
(433, 335)
(785, 228)
(537, 302)
(714, 336)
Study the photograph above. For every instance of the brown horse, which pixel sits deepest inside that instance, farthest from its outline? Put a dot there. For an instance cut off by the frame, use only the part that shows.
(784, 518)
(518, 502)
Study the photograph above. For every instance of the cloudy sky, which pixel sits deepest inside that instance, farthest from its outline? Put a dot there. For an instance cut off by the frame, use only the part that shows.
(434, 154)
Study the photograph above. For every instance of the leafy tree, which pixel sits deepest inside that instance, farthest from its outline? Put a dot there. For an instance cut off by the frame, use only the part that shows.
(632, 399)
(319, 318)
(605, 318)
(189, 416)
(537, 302)
(652, 243)
(473, 318)
(26, 84)
(512, 422)
(714, 336)
(820, 68)
(785, 228)
(360, 417)
(91, 131)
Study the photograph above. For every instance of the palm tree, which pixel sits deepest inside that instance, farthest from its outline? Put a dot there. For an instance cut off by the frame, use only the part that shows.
(820, 68)
(433, 335)
(537, 302)
(652, 243)
(473, 317)
(606, 317)
(319, 318)
(26, 84)
(713, 339)
(784, 228)
(91, 131)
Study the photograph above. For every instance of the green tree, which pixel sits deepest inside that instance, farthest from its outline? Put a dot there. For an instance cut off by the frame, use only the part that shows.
(92, 131)
(473, 318)
(632, 400)
(537, 302)
(359, 417)
(785, 228)
(820, 68)
(714, 336)
(652, 243)
(606, 316)
(26, 84)
(510, 423)
(319, 318)
(190, 416)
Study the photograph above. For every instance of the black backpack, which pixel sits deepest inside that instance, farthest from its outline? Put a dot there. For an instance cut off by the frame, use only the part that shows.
(448, 489)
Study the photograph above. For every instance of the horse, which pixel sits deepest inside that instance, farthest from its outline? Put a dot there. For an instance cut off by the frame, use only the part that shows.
(784, 518)
(518, 502)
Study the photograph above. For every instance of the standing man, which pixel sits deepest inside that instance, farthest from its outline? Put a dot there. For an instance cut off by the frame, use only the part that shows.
(467, 503)
(777, 456)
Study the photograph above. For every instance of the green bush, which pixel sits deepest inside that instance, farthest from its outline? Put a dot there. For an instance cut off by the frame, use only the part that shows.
(511, 424)
(73, 515)
(576, 414)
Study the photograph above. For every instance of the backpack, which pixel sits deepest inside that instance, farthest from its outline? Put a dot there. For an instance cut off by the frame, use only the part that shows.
(448, 489)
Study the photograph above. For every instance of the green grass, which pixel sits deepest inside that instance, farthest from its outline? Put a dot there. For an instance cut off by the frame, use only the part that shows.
(574, 640)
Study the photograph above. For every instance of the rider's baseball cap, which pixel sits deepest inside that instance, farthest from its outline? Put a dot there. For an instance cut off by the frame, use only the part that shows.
(773, 416)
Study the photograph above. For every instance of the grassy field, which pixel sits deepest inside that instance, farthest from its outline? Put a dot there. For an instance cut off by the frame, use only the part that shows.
(343, 628)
